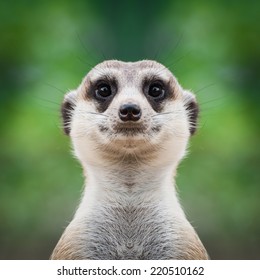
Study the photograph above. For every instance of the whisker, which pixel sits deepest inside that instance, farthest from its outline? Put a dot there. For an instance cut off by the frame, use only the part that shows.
(165, 113)
(175, 47)
(58, 89)
(47, 101)
(99, 114)
(204, 87)
(178, 60)
(86, 50)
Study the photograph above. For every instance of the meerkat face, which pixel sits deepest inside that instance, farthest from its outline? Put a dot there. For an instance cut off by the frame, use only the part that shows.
(124, 108)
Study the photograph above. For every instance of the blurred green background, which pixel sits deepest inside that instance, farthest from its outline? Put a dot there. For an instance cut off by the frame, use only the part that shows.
(46, 47)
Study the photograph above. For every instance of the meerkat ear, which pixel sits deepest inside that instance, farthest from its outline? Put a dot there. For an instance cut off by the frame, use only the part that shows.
(67, 108)
(192, 109)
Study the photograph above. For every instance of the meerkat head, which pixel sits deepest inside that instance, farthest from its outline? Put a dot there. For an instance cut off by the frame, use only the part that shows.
(124, 109)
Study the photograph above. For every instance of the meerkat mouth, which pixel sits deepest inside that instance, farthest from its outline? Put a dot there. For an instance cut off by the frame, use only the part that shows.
(130, 133)
(130, 130)
(126, 129)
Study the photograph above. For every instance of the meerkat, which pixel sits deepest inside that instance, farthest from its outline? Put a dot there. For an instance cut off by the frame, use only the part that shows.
(129, 123)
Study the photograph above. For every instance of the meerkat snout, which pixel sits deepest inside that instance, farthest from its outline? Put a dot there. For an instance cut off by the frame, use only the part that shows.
(130, 112)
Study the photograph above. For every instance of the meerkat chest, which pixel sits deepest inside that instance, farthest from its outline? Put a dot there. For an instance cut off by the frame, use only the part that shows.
(130, 232)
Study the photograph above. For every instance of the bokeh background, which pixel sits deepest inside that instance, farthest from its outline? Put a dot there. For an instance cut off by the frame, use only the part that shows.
(212, 47)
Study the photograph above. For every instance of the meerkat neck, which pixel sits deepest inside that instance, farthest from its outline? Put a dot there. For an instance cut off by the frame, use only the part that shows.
(126, 186)
(132, 178)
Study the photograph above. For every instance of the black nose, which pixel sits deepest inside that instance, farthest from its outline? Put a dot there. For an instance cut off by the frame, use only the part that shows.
(130, 112)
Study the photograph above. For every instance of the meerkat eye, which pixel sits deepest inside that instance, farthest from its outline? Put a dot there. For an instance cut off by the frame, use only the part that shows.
(156, 90)
(103, 90)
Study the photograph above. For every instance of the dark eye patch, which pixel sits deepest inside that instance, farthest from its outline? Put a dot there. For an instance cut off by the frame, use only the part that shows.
(102, 92)
(157, 92)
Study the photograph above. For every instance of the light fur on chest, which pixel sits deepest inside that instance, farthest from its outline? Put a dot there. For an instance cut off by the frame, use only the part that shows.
(130, 228)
